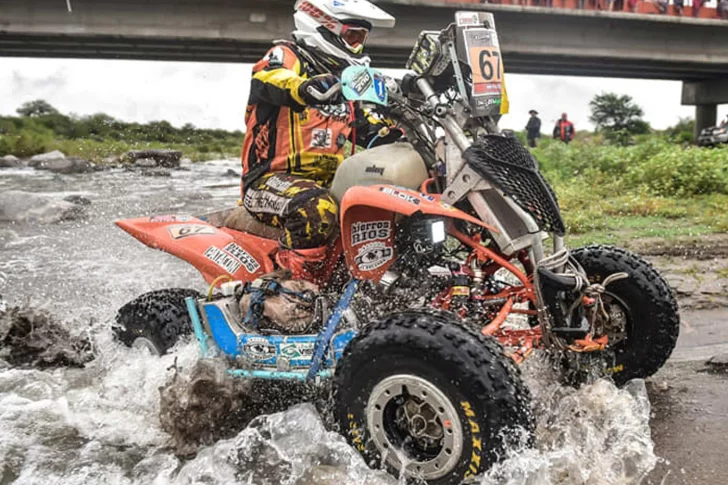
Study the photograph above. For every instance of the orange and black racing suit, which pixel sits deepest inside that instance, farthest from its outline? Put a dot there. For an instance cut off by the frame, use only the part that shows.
(291, 151)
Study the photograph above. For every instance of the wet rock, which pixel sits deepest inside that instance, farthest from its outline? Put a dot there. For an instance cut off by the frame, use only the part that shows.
(145, 163)
(719, 362)
(232, 173)
(66, 165)
(156, 172)
(10, 161)
(77, 199)
(19, 206)
(32, 337)
(162, 158)
(36, 160)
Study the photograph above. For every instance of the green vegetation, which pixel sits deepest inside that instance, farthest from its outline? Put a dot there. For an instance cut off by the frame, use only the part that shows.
(618, 117)
(41, 128)
(658, 186)
(653, 188)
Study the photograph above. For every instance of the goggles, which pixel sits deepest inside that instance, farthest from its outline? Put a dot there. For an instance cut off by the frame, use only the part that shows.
(354, 36)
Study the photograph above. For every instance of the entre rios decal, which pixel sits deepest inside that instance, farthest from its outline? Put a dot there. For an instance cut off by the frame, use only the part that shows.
(362, 232)
(231, 258)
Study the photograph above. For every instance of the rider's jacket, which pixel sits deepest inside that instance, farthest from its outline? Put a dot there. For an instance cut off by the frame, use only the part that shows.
(283, 134)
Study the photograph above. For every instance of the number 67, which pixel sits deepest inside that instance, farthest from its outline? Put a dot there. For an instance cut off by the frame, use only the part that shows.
(486, 64)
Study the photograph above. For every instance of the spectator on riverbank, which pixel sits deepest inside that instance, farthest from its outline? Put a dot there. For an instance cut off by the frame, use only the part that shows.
(678, 6)
(564, 129)
(697, 5)
(533, 128)
(723, 9)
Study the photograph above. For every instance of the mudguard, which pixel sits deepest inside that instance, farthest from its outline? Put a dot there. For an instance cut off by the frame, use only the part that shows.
(213, 251)
(367, 224)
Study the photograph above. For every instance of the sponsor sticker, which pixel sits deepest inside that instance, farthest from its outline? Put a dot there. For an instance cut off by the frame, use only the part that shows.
(467, 19)
(184, 230)
(373, 255)
(362, 232)
(401, 195)
(259, 348)
(326, 20)
(278, 184)
(361, 82)
(374, 169)
(223, 259)
(250, 263)
(275, 58)
(260, 201)
(170, 218)
(297, 350)
(321, 138)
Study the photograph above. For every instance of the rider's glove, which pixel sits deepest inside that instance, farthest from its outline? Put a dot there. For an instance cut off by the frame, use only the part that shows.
(322, 89)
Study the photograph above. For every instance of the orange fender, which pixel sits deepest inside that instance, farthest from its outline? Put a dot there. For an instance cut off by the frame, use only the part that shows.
(367, 224)
(213, 251)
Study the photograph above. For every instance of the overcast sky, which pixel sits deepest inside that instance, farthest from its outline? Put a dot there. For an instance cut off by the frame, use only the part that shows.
(214, 95)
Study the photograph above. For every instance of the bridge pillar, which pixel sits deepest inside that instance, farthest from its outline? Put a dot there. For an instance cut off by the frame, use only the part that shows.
(705, 115)
(705, 96)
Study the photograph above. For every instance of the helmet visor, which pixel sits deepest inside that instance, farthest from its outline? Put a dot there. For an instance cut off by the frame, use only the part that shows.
(354, 36)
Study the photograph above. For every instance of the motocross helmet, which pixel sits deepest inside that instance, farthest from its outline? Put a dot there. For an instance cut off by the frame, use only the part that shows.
(338, 28)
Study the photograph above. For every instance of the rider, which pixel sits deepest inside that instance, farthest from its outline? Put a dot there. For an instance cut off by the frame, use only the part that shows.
(297, 124)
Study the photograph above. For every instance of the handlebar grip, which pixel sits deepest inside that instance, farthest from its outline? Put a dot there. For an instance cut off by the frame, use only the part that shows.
(325, 96)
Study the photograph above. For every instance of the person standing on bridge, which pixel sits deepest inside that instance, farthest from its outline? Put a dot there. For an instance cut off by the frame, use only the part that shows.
(533, 128)
(297, 125)
(564, 129)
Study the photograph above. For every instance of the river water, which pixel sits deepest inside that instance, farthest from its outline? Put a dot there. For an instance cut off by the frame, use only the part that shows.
(100, 424)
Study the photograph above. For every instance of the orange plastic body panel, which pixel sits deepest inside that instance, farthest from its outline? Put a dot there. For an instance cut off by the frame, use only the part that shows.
(213, 251)
(367, 224)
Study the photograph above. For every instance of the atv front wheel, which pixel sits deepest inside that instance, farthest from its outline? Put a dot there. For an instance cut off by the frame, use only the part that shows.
(419, 393)
(643, 316)
(155, 320)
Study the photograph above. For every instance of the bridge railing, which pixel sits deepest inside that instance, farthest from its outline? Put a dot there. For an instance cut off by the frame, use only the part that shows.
(712, 9)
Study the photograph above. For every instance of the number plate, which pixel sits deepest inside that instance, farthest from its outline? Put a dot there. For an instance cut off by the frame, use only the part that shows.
(484, 57)
(184, 230)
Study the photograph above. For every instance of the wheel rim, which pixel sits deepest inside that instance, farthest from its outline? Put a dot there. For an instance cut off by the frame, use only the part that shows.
(618, 326)
(415, 426)
(145, 343)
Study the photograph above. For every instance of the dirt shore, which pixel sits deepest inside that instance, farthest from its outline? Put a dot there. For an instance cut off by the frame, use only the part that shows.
(689, 397)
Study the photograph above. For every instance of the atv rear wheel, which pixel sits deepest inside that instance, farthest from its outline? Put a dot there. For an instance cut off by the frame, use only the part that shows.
(421, 394)
(644, 320)
(155, 320)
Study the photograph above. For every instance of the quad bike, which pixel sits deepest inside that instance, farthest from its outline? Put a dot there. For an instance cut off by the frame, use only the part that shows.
(436, 287)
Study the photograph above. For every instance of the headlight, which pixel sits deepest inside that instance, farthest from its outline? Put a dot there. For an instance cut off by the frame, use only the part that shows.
(437, 231)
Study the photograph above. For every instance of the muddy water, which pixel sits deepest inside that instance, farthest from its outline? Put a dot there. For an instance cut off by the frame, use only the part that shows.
(100, 425)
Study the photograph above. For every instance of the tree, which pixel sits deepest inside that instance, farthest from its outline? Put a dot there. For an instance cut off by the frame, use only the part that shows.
(618, 117)
(35, 108)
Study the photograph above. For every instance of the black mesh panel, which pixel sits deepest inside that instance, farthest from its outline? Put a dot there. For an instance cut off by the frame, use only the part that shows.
(510, 167)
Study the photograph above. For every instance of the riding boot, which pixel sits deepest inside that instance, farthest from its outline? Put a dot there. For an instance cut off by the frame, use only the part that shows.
(304, 264)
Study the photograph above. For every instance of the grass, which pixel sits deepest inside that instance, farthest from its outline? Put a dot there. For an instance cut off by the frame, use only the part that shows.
(657, 189)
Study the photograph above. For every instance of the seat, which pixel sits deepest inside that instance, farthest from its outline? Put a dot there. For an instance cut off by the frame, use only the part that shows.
(239, 219)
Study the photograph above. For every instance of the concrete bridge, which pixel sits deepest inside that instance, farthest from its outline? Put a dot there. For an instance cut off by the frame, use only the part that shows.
(533, 40)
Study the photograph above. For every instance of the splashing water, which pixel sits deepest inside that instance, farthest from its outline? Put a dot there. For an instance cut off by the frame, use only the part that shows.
(100, 424)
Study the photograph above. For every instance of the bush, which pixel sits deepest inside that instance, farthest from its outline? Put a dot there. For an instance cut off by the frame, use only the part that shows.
(683, 172)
